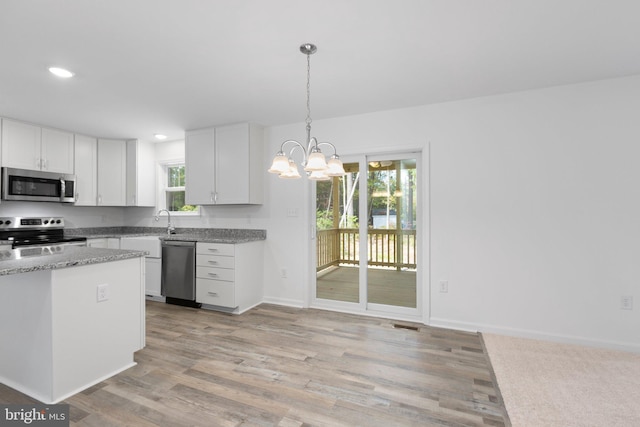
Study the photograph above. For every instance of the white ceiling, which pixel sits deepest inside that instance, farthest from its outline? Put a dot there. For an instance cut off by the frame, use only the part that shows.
(147, 66)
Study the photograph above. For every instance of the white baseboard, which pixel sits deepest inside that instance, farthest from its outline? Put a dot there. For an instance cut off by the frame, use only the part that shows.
(283, 301)
(538, 335)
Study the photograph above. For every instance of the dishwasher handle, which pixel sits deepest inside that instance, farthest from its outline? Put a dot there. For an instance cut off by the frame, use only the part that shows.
(178, 243)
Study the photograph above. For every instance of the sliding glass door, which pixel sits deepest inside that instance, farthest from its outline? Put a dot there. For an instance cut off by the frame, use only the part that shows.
(391, 232)
(366, 242)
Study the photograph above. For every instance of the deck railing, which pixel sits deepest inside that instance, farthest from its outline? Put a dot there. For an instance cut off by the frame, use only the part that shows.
(385, 248)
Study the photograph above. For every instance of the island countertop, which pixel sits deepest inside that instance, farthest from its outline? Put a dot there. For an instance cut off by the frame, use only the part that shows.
(15, 261)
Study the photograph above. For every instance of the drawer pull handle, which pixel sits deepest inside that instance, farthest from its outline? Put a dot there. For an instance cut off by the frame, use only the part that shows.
(213, 262)
(213, 274)
(213, 294)
(213, 249)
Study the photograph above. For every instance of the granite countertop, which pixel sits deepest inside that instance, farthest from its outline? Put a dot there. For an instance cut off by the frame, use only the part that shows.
(14, 261)
(207, 239)
(208, 235)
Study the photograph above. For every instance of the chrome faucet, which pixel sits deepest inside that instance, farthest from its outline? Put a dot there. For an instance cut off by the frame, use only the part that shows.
(170, 227)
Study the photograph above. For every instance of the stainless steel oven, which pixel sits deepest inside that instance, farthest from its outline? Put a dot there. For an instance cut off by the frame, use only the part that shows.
(36, 233)
(37, 186)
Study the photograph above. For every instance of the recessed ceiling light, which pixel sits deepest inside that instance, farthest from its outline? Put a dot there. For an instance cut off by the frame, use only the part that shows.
(160, 136)
(60, 72)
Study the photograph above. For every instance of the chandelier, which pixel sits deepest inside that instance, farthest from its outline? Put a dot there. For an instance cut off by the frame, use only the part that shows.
(315, 164)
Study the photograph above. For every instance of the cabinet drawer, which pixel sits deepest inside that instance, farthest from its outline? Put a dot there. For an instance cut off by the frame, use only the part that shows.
(215, 249)
(215, 273)
(215, 292)
(215, 261)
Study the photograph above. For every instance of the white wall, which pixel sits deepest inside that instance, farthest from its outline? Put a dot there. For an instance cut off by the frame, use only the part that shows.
(535, 208)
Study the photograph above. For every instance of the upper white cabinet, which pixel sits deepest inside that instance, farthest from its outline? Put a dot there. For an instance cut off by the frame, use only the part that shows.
(199, 177)
(86, 167)
(112, 172)
(141, 173)
(27, 146)
(223, 165)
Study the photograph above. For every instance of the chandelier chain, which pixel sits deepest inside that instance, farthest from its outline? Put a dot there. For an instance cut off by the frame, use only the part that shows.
(308, 120)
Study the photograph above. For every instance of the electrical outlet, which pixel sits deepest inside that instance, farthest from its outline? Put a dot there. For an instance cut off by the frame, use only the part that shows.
(444, 286)
(283, 273)
(102, 292)
(626, 302)
(293, 212)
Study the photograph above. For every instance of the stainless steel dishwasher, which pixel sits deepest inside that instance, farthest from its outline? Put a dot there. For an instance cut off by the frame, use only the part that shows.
(178, 279)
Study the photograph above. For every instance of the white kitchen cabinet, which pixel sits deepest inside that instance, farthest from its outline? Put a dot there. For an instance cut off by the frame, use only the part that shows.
(112, 172)
(141, 173)
(224, 165)
(153, 278)
(113, 243)
(153, 261)
(57, 151)
(86, 170)
(97, 243)
(27, 146)
(199, 177)
(104, 242)
(229, 276)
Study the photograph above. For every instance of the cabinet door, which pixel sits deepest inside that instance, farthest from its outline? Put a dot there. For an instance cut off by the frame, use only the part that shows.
(97, 243)
(153, 267)
(56, 150)
(113, 243)
(232, 164)
(86, 170)
(20, 145)
(199, 164)
(112, 182)
(141, 173)
(239, 166)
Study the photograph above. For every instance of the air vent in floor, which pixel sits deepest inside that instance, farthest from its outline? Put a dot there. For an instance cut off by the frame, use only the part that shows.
(400, 326)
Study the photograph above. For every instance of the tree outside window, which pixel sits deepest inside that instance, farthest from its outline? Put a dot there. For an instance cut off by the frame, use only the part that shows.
(175, 190)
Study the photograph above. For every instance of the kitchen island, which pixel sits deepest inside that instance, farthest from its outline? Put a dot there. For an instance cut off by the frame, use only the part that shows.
(69, 317)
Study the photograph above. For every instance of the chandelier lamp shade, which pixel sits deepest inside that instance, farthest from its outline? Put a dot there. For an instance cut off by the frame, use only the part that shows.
(314, 163)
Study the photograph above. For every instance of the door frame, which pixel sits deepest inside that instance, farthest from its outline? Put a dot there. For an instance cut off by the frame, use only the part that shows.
(422, 311)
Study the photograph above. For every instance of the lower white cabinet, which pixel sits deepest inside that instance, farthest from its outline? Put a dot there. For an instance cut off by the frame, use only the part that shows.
(153, 260)
(97, 243)
(229, 276)
(104, 242)
(153, 278)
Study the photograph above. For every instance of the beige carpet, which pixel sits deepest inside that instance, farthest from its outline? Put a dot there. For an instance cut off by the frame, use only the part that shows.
(549, 384)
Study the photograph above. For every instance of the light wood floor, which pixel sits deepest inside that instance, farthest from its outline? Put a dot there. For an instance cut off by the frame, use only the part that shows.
(384, 286)
(279, 366)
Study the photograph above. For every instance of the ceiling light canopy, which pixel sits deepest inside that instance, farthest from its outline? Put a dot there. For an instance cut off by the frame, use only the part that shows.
(315, 164)
(61, 72)
(160, 136)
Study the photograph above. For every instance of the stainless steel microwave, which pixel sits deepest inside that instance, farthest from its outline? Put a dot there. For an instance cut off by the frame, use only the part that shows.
(37, 186)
